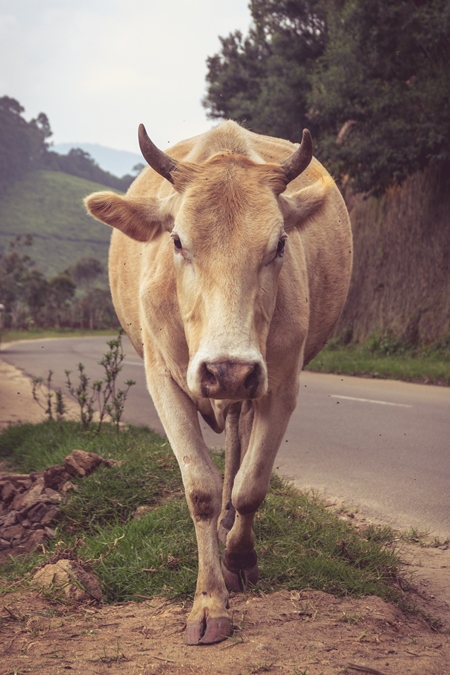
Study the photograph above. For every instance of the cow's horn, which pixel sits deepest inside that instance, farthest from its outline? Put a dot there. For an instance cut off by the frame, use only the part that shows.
(299, 160)
(156, 158)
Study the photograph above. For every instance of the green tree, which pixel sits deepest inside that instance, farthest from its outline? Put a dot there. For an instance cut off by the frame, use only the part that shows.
(369, 78)
(380, 96)
(86, 271)
(16, 270)
(22, 143)
(262, 80)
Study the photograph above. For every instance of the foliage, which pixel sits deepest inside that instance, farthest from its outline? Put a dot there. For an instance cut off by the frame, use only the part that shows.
(24, 147)
(300, 542)
(385, 356)
(48, 205)
(380, 92)
(101, 394)
(262, 80)
(369, 78)
(104, 393)
(52, 402)
(30, 299)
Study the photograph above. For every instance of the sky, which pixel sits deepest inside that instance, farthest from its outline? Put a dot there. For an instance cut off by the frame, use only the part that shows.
(97, 68)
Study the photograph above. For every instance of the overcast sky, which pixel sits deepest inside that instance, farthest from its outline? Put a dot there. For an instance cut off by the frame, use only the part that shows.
(98, 68)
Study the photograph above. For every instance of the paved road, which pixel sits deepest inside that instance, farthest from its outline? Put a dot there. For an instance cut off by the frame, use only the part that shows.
(379, 445)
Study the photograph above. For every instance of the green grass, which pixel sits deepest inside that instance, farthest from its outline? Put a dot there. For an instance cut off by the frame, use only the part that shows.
(386, 359)
(49, 206)
(300, 543)
(13, 335)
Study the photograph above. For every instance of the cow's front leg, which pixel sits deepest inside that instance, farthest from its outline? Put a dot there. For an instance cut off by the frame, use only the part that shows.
(271, 417)
(209, 620)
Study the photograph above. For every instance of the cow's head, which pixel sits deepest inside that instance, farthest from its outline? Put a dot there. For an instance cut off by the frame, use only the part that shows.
(229, 226)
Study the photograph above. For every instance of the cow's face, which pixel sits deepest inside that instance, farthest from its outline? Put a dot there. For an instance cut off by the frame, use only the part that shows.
(229, 242)
(229, 225)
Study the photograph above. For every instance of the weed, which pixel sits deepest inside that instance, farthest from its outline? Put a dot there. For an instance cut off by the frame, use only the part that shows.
(109, 399)
(52, 402)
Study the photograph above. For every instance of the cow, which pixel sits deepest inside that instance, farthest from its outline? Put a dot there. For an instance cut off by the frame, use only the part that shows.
(229, 265)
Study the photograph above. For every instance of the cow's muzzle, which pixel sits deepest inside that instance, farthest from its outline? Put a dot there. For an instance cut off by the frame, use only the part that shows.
(231, 379)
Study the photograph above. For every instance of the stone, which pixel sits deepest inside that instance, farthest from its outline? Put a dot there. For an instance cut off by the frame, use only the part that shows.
(29, 498)
(9, 519)
(81, 463)
(13, 532)
(55, 477)
(51, 515)
(71, 579)
(8, 492)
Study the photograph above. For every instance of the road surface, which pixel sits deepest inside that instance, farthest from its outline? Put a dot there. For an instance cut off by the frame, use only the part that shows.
(377, 445)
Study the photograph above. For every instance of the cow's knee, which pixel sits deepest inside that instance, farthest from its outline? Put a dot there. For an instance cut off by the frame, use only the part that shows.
(203, 504)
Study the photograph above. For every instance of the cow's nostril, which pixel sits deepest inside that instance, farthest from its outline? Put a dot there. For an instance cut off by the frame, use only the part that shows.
(253, 379)
(230, 379)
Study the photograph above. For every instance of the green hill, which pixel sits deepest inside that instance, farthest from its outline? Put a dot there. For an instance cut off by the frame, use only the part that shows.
(48, 205)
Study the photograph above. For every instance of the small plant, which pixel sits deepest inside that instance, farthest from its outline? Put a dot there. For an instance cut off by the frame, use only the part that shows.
(104, 393)
(54, 405)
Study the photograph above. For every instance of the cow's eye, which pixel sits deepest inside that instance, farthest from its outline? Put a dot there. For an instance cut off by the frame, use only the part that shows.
(177, 242)
(280, 247)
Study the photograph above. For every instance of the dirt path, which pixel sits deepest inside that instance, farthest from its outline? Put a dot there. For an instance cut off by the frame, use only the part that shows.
(300, 633)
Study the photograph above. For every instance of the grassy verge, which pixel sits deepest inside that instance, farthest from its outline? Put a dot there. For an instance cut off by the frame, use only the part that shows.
(300, 543)
(386, 358)
(10, 335)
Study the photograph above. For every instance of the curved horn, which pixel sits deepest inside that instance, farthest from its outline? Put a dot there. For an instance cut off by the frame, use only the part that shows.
(299, 160)
(157, 159)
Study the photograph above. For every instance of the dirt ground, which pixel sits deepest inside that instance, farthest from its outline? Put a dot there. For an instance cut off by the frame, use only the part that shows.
(300, 633)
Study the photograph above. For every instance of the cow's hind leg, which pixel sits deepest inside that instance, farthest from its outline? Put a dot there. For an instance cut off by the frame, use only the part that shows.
(238, 428)
(271, 416)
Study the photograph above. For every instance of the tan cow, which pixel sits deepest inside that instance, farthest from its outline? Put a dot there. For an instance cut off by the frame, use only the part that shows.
(229, 266)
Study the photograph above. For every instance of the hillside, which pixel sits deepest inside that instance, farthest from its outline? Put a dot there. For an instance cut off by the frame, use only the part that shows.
(117, 162)
(48, 205)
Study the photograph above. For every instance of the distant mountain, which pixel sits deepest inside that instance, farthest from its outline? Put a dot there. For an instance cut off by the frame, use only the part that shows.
(49, 206)
(117, 162)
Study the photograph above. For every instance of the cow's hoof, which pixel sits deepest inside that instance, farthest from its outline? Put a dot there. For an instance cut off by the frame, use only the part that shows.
(215, 630)
(240, 570)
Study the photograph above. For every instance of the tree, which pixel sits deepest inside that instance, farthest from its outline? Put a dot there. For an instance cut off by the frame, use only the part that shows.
(262, 80)
(22, 143)
(86, 271)
(370, 79)
(380, 97)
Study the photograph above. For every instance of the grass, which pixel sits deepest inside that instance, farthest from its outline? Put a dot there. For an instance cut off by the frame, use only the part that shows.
(384, 357)
(13, 335)
(300, 543)
(49, 206)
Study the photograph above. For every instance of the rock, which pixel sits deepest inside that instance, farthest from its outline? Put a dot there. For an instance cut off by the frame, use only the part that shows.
(8, 492)
(9, 519)
(35, 539)
(81, 463)
(13, 532)
(26, 500)
(142, 511)
(55, 477)
(71, 579)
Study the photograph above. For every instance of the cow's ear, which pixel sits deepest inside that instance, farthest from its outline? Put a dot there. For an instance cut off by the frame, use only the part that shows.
(299, 206)
(139, 219)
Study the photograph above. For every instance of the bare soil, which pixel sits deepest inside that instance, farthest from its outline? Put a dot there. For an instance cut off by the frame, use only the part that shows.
(300, 633)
